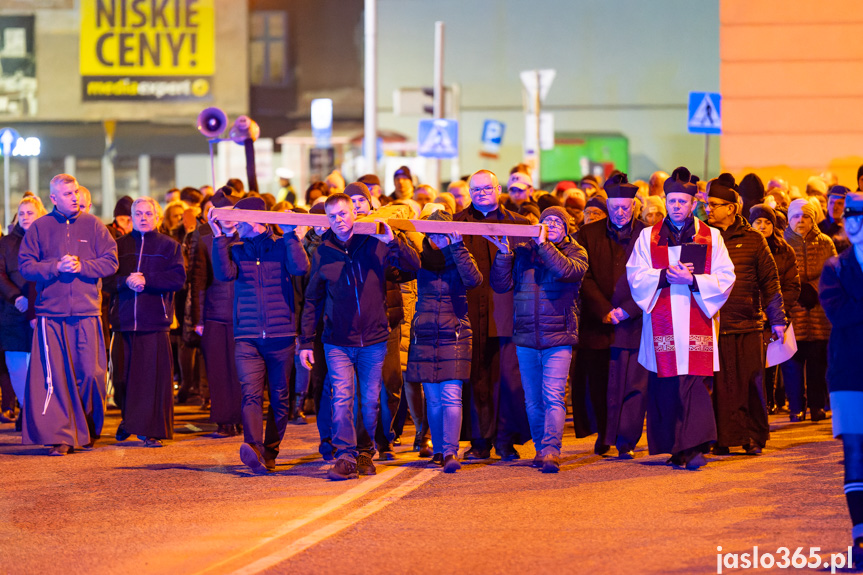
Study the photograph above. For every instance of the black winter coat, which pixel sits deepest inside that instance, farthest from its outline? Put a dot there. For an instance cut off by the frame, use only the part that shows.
(490, 312)
(756, 286)
(841, 296)
(160, 259)
(440, 348)
(347, 285)
(786, 265)
(264, 304)
(15, 332)
(545, 280)
(210, 299)
(605, 287)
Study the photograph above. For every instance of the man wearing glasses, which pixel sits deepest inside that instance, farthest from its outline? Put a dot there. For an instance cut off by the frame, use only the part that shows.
(494, 400)
(680, 276)
(739, 402)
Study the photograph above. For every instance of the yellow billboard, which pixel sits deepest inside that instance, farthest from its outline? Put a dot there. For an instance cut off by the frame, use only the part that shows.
(147, 49)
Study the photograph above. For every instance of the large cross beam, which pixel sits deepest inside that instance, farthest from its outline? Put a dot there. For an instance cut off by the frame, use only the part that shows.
(368, 225)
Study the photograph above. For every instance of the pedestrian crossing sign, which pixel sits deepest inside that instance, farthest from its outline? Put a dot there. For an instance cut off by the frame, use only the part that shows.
(438, 139)
(705, 113)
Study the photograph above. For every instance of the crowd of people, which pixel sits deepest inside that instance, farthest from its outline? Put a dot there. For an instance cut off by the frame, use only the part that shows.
(646, 300)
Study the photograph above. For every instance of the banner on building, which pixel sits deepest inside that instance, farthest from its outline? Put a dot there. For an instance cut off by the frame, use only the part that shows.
(17, 67)
(147, 50)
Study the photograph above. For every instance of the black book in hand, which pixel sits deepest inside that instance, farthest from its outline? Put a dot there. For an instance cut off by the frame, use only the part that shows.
(695, 254)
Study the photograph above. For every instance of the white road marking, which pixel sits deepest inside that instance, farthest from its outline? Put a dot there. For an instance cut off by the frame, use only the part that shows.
(334, 527)
(351, 494)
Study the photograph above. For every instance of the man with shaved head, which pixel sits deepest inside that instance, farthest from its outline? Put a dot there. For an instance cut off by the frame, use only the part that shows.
(494, 413)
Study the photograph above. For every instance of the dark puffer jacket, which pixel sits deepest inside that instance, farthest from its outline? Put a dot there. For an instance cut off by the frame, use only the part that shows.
(210, 298)
(160, 259)
(348, 286)
(786, 265)
(756, 286)
(841, 294)
(264, 304)
(15, 332)
(546, 279)
(810, 323)
(440, 348)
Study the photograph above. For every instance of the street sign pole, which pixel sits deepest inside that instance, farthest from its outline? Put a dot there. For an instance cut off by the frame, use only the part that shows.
(8, 137)
(706, 154)
(537, 103)
(438, 93)
(6, 219)
(370, 113)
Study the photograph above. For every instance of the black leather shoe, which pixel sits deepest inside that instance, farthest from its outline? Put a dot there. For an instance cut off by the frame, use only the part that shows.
(600, 448)
(122, 434)
(752, 449)
(508, 453)
(818, 415)
(436, 460)
(798, 417)
(551, 463)
(477, 453)
(721, 450)
(537, 461)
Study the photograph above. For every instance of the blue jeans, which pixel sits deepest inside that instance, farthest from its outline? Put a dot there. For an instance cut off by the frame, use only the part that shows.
(351, 368)
(543, 375)
(443, 402)
(324, 415)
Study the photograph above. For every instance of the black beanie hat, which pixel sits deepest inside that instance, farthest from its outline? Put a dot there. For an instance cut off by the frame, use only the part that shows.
(752, 188)
(123, 207)
(762, 211)
(724, 188)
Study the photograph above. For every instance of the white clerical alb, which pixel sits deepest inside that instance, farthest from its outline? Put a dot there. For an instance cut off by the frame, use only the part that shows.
(678, 338)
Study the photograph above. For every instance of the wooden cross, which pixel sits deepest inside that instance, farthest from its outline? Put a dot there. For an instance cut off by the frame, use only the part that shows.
(397, 216)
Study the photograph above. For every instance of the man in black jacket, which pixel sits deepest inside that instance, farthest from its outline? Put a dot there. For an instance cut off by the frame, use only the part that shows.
(611, 324)
(265, 325)
(211, 311)
(739, 402)
(494, 411)
(347, 285)
(151, 270)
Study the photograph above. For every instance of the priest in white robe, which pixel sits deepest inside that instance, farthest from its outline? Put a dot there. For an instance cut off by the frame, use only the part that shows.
(680, 275)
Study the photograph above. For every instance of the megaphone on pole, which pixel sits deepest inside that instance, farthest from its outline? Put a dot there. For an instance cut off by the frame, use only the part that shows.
(212, 122)
(244, 128)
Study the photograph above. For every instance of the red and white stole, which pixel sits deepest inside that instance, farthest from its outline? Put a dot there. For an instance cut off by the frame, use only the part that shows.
(700, 326)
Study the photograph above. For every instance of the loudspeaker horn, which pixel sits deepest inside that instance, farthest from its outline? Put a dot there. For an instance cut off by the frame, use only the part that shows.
(212, 122)
(244, 128)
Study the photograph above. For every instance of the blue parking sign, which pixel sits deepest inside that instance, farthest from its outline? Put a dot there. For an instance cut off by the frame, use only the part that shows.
(492, 137)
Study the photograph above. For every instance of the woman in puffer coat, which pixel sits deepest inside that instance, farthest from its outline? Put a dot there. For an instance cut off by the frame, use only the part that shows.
(811, 327)
(440, 345)
(763, 220)
(546, 275)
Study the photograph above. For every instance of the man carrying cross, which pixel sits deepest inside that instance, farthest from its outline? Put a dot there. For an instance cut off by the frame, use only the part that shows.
(347, 287)
(680, 275)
